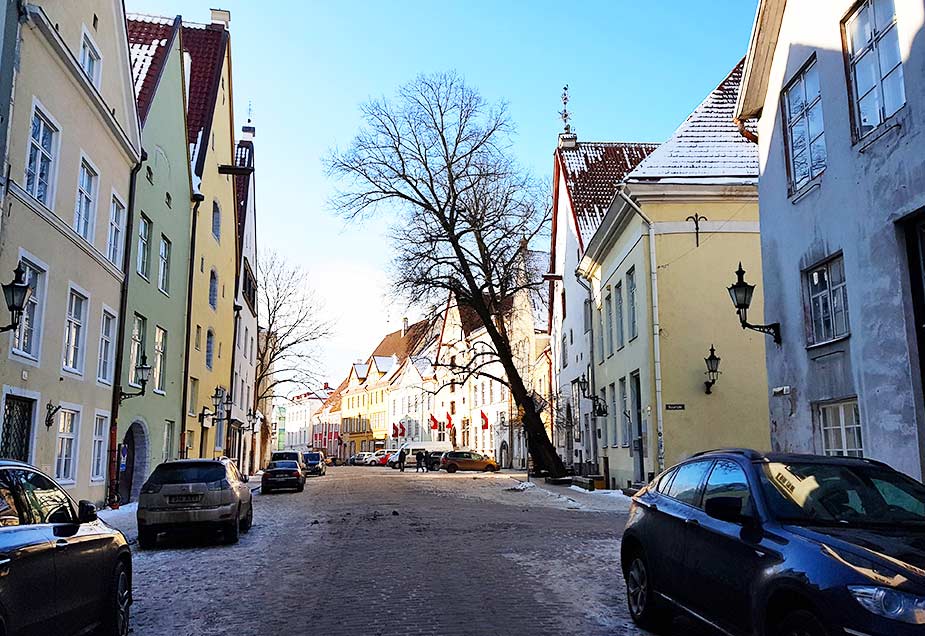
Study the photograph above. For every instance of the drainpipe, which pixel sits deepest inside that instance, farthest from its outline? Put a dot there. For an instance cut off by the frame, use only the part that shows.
(745, 132)
(657, 347)
(197, 198)
(591, 380)
(229, 436)
(113, 497)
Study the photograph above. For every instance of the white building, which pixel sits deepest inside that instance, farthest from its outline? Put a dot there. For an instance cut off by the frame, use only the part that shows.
(300, 417)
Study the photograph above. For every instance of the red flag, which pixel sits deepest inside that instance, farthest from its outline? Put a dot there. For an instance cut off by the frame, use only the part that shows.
(394, 430)
(449, 421)
(401, 428)
(484, 421)
(434, 424)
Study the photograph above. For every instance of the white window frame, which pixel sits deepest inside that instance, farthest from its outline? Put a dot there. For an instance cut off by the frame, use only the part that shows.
(73, 288)
(88, 43)
(136, 348)
(837, 409)
(163, 265)
(111, 357)
(116, 244)
(608, 320)
(631, 288)
(159, 368)
(48, 120)
(143, 257)
(94, 197)
(99, 449)
(70, 478)
(626, 424)
(39, 299)
(831, 295)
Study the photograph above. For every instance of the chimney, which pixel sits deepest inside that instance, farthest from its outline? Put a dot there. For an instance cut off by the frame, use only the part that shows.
(248, 131)
(567, 140)
(404, 326)
(326, 387)
(222, 17)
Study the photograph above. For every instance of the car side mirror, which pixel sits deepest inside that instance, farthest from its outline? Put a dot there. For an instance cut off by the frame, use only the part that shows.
(86, 511)
(725, 509)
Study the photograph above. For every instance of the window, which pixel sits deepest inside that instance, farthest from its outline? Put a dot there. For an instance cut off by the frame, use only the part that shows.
(74, 331)
(46, 503)
(210, 348)
(193, 396)
(116, 223)
(252, 350)
(27, 336)
(631, 301)
(624, 413)
(213, 289)
(65, 460)
(216, 221)
(100, 445)
(144, 245)
(828, 301)
(686, 485)
(10, 513)
(841, 429)
(608, 325)
(90, 60)
(149, 174)
(615, 418)
(600, 336)
(618, 292)
(564, 351)
(804, 127)
(875, 64)
(198, 341)
(160, 359)
(104, 367)
(139, 330)
(86, 200)
(163, 270)
(41, 158)
(727, 479)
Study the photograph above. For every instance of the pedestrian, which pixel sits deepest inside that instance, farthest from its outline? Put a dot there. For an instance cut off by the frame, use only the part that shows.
(401, 459)
(419, 456)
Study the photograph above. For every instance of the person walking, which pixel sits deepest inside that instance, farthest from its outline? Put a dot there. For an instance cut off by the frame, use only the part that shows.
(401, 459)
(419, 457)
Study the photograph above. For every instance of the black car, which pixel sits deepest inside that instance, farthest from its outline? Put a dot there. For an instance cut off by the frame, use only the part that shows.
(432, 460)
(282, 474)
(62, 570)
(313, 463)
(779, 545)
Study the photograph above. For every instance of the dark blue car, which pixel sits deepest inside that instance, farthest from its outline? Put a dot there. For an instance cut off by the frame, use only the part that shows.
(779, 545)
(313, 463)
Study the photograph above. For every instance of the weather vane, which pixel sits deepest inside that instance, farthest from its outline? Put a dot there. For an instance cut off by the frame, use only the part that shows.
(564, 114)
(250, 110)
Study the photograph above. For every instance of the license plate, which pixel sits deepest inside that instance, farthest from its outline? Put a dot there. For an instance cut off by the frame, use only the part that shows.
(182, 499)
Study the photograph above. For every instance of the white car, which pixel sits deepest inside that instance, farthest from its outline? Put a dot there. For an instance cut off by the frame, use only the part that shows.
(360, 459)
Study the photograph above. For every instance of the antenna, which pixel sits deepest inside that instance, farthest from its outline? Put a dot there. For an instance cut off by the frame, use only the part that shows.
(564, 114)
(250, 111)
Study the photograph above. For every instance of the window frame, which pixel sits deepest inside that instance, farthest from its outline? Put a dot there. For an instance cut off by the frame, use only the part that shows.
(118, 245)
(143, 256)
(108, 379)
(94, 196)
(632, 318)
(608, 321)
(840, 406)
(213, 289)
(163, 265)
(87, 42)
(77, 411)
(159, 368)
(137, 347)
(47, 122)
(809, 297)
(100, 442)
(210, 349)
(38, 299)
(81, 344)
(698, 504)
(799, 77)
(216, 229)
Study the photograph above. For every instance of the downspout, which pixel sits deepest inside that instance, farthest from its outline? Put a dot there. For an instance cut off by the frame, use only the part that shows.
(591, 380)
(113, 497)
(197, 198)
(745, 132)
(234, 355)
(656, 337)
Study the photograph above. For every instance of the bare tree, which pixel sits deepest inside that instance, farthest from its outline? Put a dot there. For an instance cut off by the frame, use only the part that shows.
(438, 156)
(293, 325)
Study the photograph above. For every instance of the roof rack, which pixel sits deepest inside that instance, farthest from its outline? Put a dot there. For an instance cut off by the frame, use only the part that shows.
(747, 452)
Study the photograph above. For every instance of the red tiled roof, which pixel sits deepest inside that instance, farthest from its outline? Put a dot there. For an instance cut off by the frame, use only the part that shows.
(334, 399)
(149, 39)
(395, 344)
(592, 172)
(206, 47)
(470, 319)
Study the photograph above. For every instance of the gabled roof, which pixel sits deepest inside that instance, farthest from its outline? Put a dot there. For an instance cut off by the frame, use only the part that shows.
(592, 170)
(761, 47)
(470, 320)
(361, 370)
(401, 346)
(333, 401)
(150, 39)
(707, 147)
(384, 363)
(205, 44)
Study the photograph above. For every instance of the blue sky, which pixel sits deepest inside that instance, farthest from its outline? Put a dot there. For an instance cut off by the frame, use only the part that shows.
(635, 70)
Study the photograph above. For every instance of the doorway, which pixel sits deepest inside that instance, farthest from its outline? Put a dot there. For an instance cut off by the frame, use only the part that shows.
(639, 445)
(17, 428)
(135, 451)
(915, 249)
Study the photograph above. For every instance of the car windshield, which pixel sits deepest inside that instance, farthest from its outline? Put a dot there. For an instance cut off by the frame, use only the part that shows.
(285, 464)
(818, 493)
(313, 457)
(191, 473)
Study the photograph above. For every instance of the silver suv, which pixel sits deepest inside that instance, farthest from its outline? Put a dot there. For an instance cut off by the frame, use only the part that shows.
(194, 493)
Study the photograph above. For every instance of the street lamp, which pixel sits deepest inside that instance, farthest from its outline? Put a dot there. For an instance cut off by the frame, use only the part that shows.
(599, 405)
(712, 370)
(252, 420)
(741, 294)
(16, 293)
(142, 374)
(217, 398)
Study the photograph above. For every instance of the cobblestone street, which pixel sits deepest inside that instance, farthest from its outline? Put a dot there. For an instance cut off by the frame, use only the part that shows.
(375, 551)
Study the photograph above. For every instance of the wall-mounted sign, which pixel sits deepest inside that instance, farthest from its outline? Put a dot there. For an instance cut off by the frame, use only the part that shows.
(674, 407)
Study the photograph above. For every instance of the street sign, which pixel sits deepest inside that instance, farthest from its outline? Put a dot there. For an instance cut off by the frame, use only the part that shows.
(674, 407)
(123, 455)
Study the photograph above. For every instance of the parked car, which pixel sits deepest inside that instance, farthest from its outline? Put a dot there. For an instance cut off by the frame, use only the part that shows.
(287, 456)
(359, 459)
(62, 570)
(313, 463)
(282, 474)
(377, 458)
(433, 460)
(190, 494)
(411, 449)
(779, 545)
(383, 459)
(467, 460)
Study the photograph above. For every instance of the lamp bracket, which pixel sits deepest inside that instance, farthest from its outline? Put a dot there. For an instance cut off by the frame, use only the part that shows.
(772, 329)
(50, 411)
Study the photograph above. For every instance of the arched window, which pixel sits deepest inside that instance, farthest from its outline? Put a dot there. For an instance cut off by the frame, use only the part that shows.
(210, 347)
(216, 221)
(213, 289)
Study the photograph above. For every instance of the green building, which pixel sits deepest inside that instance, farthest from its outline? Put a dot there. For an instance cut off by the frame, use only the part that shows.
(154, 312)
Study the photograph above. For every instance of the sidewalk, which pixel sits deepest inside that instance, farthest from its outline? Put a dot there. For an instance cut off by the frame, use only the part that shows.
(597, 501)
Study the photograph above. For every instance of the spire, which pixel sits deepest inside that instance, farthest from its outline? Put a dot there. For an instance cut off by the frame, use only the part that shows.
(567, 139)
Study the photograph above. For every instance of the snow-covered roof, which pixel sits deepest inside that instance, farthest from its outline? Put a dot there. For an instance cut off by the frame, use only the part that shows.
(424, 366)
(148, 38)
(707, 147)
(385, 363)
(361, 370)
(592, 170)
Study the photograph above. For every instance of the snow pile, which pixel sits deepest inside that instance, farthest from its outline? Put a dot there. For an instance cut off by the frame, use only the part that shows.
(524, 485)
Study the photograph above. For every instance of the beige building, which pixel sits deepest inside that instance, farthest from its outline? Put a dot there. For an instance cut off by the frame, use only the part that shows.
(73, 143)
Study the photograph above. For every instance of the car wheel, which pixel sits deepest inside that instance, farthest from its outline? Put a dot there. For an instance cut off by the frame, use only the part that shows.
(117, 609)
(640, 597)
(800, 623)
(147, 538)
(451, 468)
(233, 529)
(265, 490)
(248, 521)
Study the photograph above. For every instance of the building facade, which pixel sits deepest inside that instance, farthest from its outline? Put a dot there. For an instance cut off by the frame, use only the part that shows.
(842, 206)
(73, 143)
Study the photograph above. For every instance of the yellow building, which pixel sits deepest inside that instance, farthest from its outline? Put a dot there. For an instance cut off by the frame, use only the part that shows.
(355, 428)
(210, 128)
(659, 265)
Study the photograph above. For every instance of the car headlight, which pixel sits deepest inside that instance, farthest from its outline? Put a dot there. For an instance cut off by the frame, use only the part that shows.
(889, 603)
